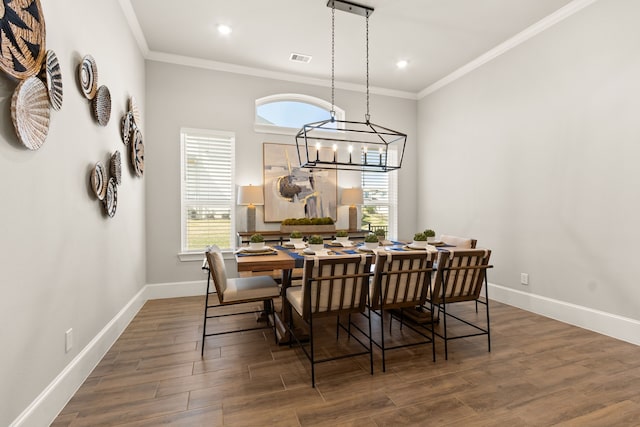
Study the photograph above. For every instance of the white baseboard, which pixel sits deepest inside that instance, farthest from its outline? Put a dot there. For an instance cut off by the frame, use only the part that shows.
(46, 407)
(622, 328)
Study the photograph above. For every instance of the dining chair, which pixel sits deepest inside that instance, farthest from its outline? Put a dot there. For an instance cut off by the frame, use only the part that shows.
(401, 281)
(460, 242)
(459, 277)
(332, 286)
(233, 291)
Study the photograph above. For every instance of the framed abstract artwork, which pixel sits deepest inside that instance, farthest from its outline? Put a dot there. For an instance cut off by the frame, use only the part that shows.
(293, 192)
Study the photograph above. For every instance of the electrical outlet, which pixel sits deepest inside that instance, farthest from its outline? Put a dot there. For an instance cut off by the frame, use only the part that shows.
(68, 340)
(524, 278)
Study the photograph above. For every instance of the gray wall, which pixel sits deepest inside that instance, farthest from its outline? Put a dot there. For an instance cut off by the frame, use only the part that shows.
(536, 153)
(180, 96)
(63, 263)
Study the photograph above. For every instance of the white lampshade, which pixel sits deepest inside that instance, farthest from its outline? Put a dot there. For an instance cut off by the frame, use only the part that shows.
(250, 195)
(352, 196)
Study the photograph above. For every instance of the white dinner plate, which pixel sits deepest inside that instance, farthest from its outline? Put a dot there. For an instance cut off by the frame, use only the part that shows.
(262, 249)
(412, 246)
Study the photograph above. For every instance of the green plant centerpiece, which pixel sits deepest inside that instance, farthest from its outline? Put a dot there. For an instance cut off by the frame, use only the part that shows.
(295, 237)
(381, 234)
(431, 235)
(342, 235)
(371, 241)
(256, 241)
(419, 240)
(308, 225)
(316, 243)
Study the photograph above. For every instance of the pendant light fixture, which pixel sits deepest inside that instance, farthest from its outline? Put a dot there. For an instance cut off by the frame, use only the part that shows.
(349, 145)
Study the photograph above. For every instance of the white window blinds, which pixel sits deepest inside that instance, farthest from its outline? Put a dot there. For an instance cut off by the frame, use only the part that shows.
(208, 202)
(380, 208)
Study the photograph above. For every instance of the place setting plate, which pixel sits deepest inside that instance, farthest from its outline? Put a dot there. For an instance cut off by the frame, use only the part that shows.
(256, 251)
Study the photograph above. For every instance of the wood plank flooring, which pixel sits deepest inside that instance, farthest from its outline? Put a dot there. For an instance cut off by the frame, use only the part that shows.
(540, 372)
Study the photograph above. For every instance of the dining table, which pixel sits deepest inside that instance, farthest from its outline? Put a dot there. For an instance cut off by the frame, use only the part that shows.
(286, 258)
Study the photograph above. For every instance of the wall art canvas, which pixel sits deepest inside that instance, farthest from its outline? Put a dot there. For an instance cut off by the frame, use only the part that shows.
(293, 192)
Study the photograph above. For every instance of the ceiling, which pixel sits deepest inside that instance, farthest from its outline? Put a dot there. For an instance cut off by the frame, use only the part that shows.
(436, 36)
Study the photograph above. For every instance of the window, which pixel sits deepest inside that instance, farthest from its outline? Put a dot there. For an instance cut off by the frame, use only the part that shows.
(286, 113)
(380, 208)
(208, 204)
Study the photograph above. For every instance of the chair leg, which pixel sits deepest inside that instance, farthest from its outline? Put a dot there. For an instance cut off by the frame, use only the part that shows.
(486, 300)
(384, 364)
(204, 323)
(313, 360)
(370, 345)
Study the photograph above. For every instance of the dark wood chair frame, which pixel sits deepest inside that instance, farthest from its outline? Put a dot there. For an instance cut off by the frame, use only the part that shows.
(263, 315)
(360, 280)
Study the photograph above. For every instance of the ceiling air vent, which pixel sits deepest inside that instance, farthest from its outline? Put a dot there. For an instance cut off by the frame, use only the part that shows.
(298, 57)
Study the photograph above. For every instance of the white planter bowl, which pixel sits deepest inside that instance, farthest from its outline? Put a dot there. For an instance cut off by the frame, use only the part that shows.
(316, 248)
(295, 240)
(371, 245)
(258, 245)
(419, 243)
(431, 239)
(342, 239)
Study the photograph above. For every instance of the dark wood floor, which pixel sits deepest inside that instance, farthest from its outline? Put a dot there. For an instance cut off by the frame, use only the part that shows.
(540, 372)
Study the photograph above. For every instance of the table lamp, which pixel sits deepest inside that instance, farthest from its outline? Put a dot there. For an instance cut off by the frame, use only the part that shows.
(250, 195)
(352, 197)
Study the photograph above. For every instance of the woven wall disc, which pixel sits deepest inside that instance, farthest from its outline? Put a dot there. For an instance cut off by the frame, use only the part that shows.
(22, 37)
(52, 76)
(126, 127)
(135, 110)
(137, 152)
(115, 167)
(88, 76)
(30, 112)
(102, 105)
(111, 198)
(99, 180)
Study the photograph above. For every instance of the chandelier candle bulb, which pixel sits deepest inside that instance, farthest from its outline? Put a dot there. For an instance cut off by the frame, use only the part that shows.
(317, 151)
(364, 149)
(350, 150)
(335, 149)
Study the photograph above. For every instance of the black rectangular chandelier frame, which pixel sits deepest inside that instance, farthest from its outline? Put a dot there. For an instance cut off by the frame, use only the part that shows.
(370, 137)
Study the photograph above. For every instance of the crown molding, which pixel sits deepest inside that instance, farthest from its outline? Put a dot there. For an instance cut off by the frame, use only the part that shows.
(276, 75)
(136, 30)
(535, 29)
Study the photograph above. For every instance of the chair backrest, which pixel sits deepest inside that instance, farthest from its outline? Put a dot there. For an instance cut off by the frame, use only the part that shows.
(459, 242)
(402, 279)
(217, 270)
(335, 285)
(460, 274)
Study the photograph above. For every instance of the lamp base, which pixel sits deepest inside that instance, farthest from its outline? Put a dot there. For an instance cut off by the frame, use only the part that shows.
(353, 218)
(251, 218)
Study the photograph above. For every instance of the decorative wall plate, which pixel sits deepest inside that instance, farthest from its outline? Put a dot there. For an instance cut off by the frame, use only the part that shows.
(102, 105)
(111, 198)
(135, 110)
(52, 76)
(88, 75)
(22, 37)
(30, 112)
(99, 180)
(137, 152)
(126, 127)
(115, 167)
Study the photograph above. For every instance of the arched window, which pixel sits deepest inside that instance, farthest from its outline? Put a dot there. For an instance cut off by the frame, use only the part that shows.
(285, 113)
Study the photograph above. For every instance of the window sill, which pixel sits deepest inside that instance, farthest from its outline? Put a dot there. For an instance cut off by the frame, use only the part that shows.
(199, 256)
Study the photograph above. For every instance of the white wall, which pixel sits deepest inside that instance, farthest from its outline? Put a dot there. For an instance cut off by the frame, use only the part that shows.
(64, 264)
(536, 154)
(180, 96)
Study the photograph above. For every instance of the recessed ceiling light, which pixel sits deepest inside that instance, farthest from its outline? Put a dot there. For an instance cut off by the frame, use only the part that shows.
(402, 63)
(225, 30)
